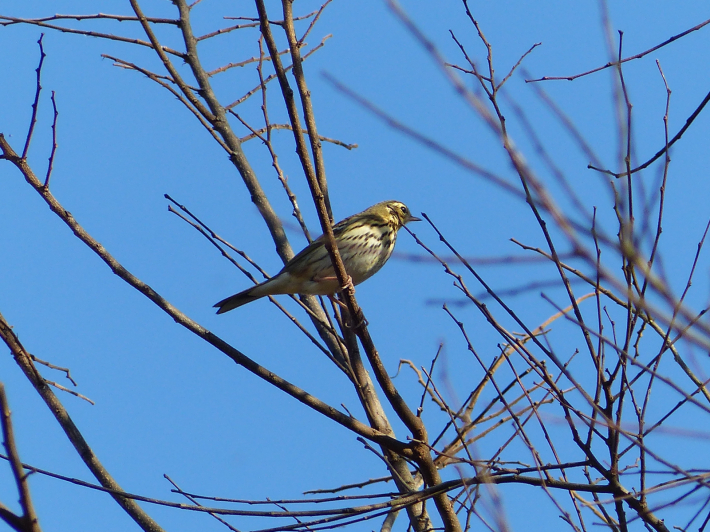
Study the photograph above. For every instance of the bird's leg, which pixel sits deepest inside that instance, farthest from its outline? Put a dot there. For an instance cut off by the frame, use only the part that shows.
(350, 289)
(338, 302)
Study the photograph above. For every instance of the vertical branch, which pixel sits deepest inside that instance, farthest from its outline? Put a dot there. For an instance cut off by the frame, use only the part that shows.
(50, 165)
(291, 107)
(35, 104)
(662, 190)
(626, 229)
(29, 517)
(294, 46)
(267, 141)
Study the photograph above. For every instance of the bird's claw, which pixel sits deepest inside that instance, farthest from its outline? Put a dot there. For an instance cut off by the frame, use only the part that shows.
(348, 286)
(362, 322)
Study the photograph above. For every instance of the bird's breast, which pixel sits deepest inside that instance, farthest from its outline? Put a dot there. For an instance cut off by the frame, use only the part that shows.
(365, 249)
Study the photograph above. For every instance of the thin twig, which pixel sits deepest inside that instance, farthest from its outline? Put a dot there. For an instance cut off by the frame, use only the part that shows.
(257, 133)
(35, 104)
(50, 166)
(107, 36)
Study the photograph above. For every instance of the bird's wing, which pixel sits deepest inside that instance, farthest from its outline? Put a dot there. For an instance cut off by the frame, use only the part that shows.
(315, 253)
(311, 254)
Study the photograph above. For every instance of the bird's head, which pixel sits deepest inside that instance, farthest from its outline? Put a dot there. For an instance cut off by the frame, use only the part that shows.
(396, 212)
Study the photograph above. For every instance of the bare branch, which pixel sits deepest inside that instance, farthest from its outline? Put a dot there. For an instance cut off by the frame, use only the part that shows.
(631, 58)
(13, 20)
(28, 520)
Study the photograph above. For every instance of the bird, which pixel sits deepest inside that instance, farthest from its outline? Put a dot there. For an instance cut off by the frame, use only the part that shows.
(365, 241)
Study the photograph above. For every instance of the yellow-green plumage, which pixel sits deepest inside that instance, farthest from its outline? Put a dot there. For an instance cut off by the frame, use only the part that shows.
(365, 242)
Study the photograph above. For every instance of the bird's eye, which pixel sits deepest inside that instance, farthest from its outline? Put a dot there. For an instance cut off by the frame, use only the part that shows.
(403, 209)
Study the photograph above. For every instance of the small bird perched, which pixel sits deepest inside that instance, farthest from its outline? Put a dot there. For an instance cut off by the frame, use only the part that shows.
(365, 242)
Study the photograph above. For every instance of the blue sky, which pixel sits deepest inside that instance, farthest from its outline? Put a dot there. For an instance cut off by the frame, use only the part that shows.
(167, 403)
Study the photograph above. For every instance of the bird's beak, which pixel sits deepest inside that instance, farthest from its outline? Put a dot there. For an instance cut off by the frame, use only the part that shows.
(414, 219)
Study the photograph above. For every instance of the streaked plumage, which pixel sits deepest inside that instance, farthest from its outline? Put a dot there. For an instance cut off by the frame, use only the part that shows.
(365, 242)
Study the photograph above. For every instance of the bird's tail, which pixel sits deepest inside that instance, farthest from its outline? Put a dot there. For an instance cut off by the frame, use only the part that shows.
(237, 300)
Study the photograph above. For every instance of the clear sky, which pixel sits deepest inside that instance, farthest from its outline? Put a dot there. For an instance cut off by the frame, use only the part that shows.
(166, 402)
